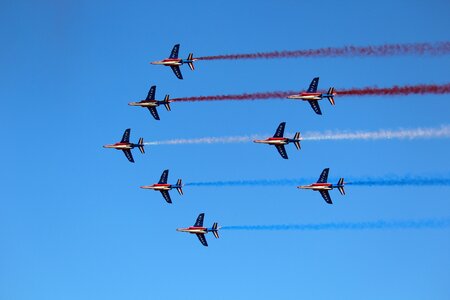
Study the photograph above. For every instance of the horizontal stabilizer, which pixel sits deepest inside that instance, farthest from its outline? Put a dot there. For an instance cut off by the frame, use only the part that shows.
(297, 140)
(191, 63)
(331, 99)
(167, 103)
(330, 96)
(180, 187)
(331, 91)
(141, 145)
(215, 230)
(341, 186)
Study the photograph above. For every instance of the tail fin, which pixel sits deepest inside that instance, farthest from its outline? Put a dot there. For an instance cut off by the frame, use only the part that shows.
(179, 187)
(167, 103)
(215, 230)
(297, 140)
(341, 186)
(191, 63)
(141, 145)
(331, 94)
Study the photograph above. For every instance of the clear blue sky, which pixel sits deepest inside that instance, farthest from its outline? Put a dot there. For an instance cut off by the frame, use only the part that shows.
(74, 223)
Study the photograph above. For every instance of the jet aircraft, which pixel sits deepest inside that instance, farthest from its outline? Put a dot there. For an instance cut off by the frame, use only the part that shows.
(126, 146)
(323, 186)
(279, 141)
(200, 231)
(312, 96)
(164, 187)
(174, 62)
(151, 103)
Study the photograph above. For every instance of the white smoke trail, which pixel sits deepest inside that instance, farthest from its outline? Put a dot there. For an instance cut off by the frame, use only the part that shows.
(410, 134)
(384, 134)
(209, 140)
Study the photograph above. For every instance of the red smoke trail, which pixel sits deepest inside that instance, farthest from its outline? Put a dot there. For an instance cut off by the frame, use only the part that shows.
(383, 50)
(253, 96)
(420, 89)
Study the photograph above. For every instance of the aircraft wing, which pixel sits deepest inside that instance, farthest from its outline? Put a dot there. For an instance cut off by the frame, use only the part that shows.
(313, 85)
(280, 130)
(126, 136)
(154, 112)
(164, 176)
(282, 151)
(177, 71)
(315, 106)
(174, 53)
(202, 239)
(326, 196)
(166, 196)
(128, 154)
(199, 222)
(151, 93)
(323, 176)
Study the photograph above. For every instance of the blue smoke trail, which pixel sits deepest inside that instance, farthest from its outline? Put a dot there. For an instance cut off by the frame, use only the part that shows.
(369, 181)
(399, 181)
(375, 225)
(257, 182)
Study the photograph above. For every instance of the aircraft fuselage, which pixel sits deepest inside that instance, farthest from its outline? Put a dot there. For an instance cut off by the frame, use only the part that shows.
(173, 62)
(317, 187)
(168, 62)
(273, 141)
(149, 103)
(145, 103)
(194, 230)
(158, 187)
(307, 96)
(120, 146)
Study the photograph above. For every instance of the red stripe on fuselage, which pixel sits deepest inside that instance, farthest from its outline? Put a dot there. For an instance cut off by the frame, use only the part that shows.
(276, 139)
(321, 184)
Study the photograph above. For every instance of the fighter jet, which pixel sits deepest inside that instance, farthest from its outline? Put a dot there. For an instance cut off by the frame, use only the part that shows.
(323, 187)
(164, 187)
(174, 62)
(312, 96)
(151, 103)
(200, 231)
(126, 146)
(279, 141)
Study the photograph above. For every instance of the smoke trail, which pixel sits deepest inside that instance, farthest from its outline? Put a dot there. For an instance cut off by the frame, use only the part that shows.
(417, 133)
(402, 181)
(237, 97)
(256, 182)
(441, 48)
(375, 225)
(208, 140)
(382, 181)
(439, 132)
(419, 89)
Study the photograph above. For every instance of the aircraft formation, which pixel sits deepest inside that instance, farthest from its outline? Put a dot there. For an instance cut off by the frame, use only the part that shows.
(278, 140)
